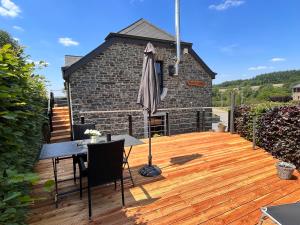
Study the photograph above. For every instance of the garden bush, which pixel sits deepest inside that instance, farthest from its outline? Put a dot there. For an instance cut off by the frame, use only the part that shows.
(277, 128)
(279, 133)
(22, 113)
(244, 115)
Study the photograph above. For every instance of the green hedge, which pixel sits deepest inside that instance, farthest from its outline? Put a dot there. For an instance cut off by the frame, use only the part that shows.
(277, 130)
(244, 115)
(22, 113)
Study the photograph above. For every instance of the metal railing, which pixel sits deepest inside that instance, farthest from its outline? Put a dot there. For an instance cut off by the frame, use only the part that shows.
(50, 109)
(166, 122)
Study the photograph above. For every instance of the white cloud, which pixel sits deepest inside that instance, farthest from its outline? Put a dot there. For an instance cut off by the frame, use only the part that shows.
(8, 8)
(67, 41)
(254, 68)
(226, 5)
(16, 39)
(278, 59)
(18, 28)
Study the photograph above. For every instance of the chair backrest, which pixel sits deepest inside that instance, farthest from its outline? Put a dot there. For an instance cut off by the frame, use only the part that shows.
(79, 129)
(105, 162)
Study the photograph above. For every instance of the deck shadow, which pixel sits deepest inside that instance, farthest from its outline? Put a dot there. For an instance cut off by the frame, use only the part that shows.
(180, 160)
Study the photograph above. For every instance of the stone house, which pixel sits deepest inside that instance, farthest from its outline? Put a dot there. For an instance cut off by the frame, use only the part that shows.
(102, 86)
(296, 92)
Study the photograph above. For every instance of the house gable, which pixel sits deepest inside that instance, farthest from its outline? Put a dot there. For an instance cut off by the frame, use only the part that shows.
(139, 32)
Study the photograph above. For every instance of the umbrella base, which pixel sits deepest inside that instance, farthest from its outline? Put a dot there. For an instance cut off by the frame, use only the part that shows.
(149, 171)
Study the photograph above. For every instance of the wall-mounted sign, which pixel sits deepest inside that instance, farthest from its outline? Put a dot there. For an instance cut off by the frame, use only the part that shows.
(196, 83)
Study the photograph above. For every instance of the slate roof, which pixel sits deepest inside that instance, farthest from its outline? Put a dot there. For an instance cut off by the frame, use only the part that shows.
(143, 28)
(71, 59)
(297, 86)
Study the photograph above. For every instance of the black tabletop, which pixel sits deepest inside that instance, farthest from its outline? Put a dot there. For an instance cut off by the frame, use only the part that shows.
(69, 148)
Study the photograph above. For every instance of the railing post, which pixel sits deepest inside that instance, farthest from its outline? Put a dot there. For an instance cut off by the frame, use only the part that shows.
(50, 113)
(203, 120)
(232, 112)
(82, 119)
(167, 124)
(51, 99)
(254, 133)
(130, 125)
(198, 121)
(229, 122)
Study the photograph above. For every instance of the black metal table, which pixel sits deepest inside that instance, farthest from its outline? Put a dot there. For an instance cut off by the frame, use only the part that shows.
(64, 150)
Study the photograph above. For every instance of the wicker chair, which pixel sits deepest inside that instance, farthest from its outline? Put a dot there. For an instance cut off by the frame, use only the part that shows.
(78, 134)
(105, 165)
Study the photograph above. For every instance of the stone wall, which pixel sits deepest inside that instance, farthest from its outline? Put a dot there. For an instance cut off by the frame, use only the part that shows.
(110, 82)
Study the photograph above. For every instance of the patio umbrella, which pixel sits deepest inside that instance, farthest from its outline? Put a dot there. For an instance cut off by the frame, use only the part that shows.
(149, 98)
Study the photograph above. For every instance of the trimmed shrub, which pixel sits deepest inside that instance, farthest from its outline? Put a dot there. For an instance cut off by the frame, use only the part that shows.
(22, 110)
(243, 121)
(244, 115)
(277, 131)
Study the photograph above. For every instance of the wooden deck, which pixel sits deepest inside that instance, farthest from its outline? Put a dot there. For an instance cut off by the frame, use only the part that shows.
(207, 178)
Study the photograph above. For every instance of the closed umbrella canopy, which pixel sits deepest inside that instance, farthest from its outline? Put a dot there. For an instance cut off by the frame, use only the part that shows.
(149, 92)
(149, 98)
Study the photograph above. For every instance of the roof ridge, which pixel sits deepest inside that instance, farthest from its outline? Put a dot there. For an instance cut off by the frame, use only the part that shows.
(170, 35)
(141, 19)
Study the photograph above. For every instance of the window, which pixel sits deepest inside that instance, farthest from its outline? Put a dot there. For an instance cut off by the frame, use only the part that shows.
(159, 71)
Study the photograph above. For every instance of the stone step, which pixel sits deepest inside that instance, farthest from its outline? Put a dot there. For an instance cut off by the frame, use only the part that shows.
(61, 117)
(61, 113)
(61, 127)
(61, 138)
(60, 109)
(61, 122)
(60, 133)
(61, 105)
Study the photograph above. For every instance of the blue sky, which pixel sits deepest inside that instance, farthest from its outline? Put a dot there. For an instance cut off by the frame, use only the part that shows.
(236, 38)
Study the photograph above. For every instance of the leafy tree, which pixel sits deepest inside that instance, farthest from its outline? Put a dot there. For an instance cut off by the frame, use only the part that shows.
(6, 38)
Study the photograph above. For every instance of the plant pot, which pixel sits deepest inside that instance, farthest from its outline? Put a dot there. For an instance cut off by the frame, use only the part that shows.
(94, 139)
(221, 128)
(285, 172)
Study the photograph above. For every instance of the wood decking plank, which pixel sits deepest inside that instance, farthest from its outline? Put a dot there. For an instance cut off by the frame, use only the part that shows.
(207, 178)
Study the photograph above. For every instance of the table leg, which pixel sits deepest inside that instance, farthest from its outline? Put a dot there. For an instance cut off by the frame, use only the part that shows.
(126, 156)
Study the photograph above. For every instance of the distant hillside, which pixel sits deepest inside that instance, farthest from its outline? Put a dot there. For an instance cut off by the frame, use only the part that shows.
(290, 77)
(257, 89)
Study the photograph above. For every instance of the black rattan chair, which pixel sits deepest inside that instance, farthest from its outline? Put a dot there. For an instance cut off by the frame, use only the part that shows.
(78, 134)
(287, 214)
(105, 165)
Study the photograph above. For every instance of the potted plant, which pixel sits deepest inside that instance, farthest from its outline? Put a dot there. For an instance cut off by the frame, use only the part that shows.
(94, 134)
(221, 127)
(285, 170)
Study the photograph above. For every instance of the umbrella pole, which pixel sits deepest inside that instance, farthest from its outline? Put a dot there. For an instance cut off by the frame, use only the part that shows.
(149, 170)
(149, 136)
